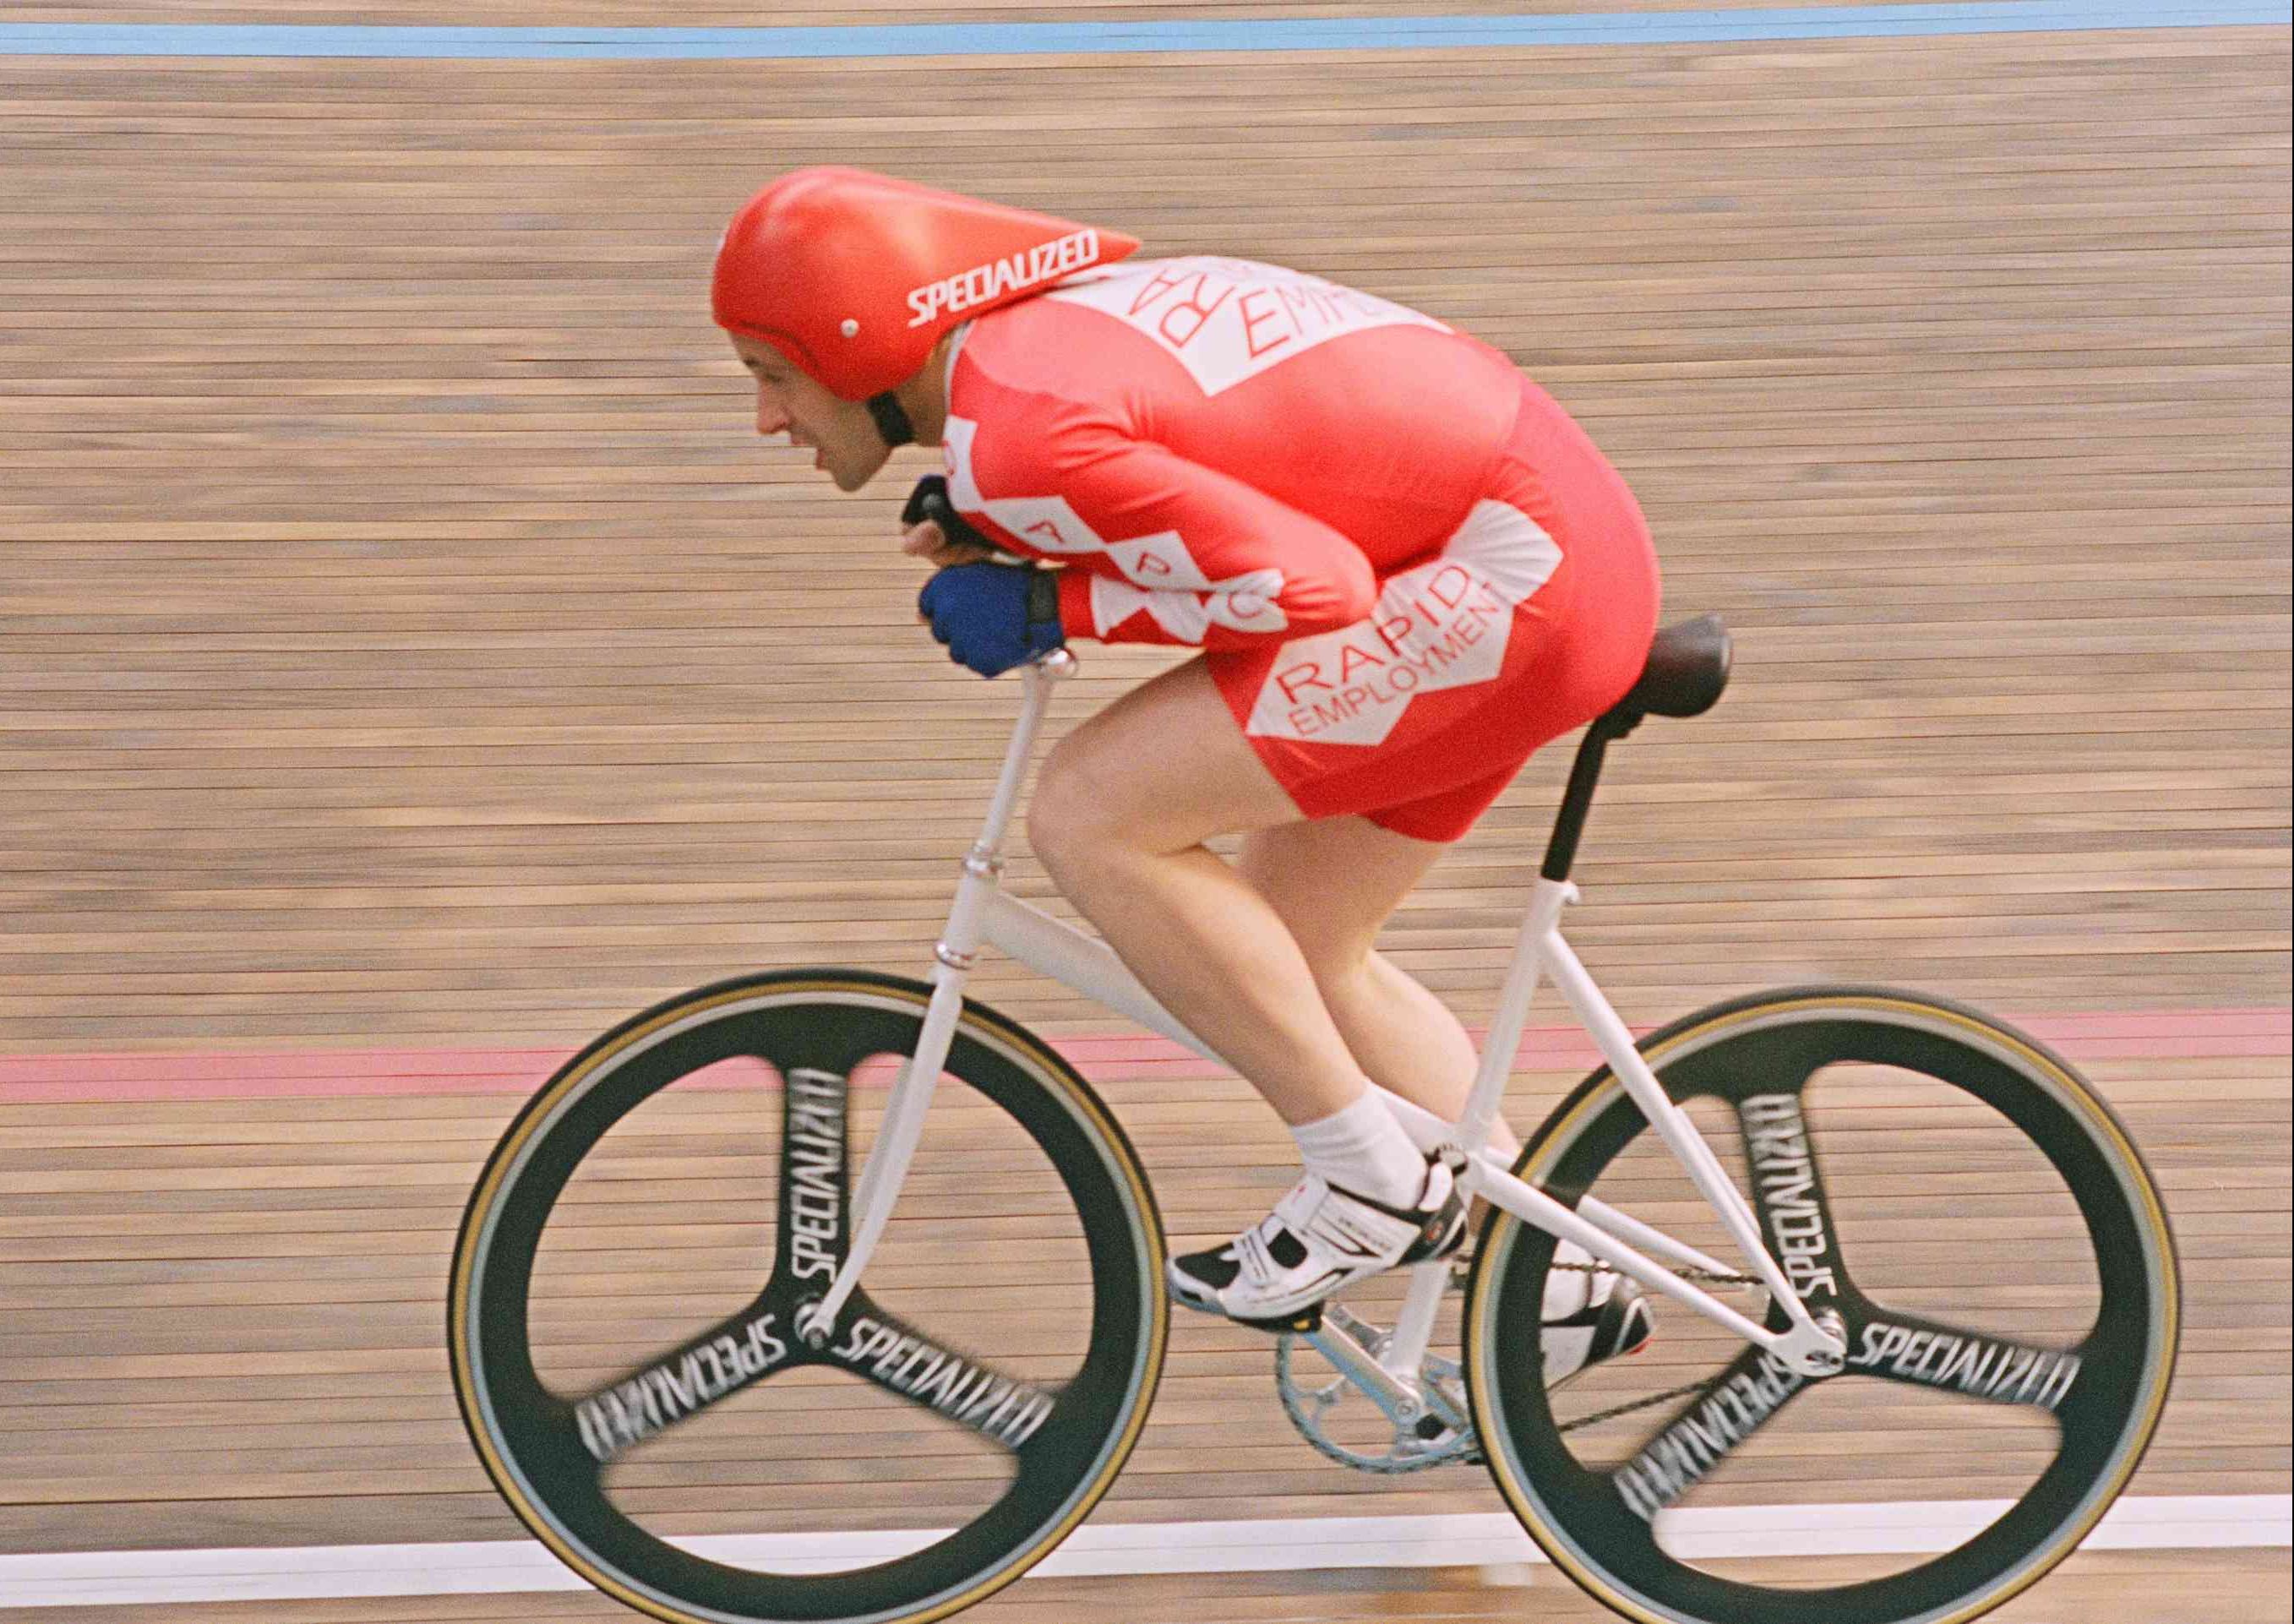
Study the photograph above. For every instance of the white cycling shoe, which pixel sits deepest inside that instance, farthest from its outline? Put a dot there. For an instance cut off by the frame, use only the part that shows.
(1319, 1239)
(1609, 1319)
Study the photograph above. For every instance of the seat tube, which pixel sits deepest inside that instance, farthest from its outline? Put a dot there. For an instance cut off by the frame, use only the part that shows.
(1512, 1012)
(1415, 1326)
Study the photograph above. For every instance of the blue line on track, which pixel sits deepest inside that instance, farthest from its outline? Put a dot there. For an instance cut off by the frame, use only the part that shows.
(1950, 17)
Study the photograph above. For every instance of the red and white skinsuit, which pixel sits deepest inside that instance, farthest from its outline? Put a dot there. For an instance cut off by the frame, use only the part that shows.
(1407, 567)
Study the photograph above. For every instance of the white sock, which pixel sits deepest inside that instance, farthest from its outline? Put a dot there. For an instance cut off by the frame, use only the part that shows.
(1362, 1149)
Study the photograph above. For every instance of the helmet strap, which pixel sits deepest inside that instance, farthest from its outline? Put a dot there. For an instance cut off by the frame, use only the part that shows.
(891, 418)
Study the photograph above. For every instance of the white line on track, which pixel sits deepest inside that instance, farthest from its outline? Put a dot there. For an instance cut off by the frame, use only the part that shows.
(94, 1579)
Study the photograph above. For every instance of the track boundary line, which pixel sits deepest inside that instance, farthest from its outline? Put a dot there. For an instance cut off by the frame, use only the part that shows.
(98, 1578)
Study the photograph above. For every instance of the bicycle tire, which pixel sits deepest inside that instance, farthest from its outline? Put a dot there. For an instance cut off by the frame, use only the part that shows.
(1600, 1526)
(542, 1449)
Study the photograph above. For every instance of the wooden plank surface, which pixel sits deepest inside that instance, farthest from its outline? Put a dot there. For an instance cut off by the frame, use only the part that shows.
(403, 641)
(267, 1277)
(2122, 1586)
(346, 462)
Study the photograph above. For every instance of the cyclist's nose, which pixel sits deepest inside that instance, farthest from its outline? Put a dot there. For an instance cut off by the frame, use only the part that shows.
(772, 416)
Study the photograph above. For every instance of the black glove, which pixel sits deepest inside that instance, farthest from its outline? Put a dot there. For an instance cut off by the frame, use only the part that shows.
(929, 501)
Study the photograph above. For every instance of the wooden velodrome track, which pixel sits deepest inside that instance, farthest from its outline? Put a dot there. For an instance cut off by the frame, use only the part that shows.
(410, 664)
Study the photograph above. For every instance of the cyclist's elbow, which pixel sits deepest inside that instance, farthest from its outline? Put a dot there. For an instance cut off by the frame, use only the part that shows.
(1326, 602)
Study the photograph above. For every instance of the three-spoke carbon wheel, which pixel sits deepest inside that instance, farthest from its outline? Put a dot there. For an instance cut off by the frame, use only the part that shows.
(628, 1315)
(1989, 1237)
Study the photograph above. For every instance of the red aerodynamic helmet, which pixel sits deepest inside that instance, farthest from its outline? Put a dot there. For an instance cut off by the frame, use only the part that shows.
(854, 276)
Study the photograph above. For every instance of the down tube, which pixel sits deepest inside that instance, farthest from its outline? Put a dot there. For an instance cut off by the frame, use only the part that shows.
(1090, 966)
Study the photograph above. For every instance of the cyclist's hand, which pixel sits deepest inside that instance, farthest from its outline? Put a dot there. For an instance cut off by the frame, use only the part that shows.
(926, 541)
(993, 616)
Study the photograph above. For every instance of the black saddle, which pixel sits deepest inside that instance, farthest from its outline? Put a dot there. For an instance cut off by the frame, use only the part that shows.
(1688, 667)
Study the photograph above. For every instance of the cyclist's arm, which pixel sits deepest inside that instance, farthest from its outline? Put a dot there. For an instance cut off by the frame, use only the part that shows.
(1187, 555)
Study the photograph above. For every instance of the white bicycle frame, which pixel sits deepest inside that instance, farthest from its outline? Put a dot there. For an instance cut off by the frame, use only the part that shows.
(983, 913)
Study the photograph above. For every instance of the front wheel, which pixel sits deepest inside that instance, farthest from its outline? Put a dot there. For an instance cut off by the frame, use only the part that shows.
(628, 1326)
(1997, 1253)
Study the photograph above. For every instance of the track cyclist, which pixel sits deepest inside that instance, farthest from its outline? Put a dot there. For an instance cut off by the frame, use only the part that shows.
(1405, 569)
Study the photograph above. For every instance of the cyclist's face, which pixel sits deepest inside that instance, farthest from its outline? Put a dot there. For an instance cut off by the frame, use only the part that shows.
(840, 433)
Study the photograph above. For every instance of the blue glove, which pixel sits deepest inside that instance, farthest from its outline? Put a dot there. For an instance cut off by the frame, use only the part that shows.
(993, 616)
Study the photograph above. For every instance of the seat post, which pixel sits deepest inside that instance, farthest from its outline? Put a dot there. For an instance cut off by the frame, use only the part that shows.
(1577, 799)
(1685, 670)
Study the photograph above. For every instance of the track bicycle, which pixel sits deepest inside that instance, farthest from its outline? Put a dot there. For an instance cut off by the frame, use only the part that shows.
(770, 1392)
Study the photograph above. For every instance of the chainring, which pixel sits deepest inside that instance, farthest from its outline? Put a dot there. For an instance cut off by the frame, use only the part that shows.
(1434, 1439)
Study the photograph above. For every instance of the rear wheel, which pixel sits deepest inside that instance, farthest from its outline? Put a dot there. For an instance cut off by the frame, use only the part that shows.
(2000, 1256)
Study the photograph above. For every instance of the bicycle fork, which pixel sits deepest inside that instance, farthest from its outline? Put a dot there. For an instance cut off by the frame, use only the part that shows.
(976, 894)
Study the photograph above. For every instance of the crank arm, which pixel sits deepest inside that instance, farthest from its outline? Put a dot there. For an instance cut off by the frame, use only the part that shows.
(1344, 1340)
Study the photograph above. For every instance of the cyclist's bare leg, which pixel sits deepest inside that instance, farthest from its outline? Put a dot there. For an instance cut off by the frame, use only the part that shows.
(1121, 809)
(1402, 1036)
(1406, 1038)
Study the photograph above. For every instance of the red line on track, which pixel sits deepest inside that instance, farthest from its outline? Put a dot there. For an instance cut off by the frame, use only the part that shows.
(87, 1078)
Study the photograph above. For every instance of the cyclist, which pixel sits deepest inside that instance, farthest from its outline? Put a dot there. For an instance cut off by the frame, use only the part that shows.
(1405, 569)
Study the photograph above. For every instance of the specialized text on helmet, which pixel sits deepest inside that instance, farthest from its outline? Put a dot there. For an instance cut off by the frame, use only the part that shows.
(984, 284)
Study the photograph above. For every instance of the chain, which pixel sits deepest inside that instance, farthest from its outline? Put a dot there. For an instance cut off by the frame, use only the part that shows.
(1698, 1389)
(1394, 1466)
(1687, 1271)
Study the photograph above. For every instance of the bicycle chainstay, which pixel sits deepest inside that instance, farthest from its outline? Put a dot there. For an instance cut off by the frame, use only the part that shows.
(1687, 1271)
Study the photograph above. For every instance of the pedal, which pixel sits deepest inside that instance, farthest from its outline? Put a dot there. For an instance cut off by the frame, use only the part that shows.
(1306, 1322)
